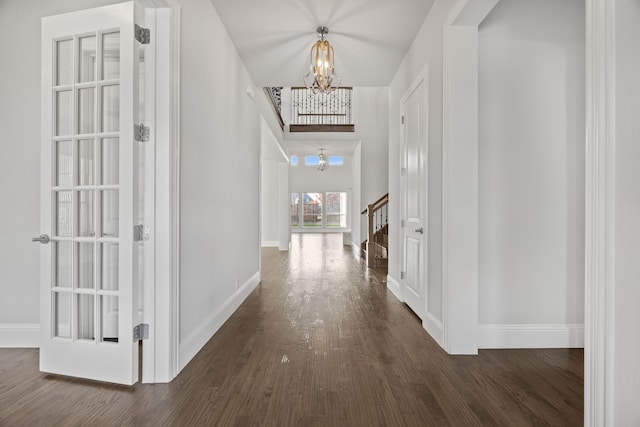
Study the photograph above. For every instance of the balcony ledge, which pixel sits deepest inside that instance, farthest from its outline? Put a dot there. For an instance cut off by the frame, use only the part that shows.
(321, 128)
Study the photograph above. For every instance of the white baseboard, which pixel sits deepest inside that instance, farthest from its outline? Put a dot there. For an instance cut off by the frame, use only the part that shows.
(433, 326)
(203, 333)
(270, 244)
(286, 247)
(394, 286)
(19, 335)
(531, 336)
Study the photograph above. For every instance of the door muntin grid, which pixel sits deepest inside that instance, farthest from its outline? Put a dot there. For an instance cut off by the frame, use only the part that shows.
(85, 190)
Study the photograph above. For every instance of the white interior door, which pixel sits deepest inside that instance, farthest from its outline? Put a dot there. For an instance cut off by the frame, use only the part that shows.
(414, 195)
(90, 194)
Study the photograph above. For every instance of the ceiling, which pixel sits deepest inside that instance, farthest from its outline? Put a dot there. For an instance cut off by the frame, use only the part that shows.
(370, 37)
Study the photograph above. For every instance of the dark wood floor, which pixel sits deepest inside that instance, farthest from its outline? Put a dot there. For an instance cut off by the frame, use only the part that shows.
(319, 343)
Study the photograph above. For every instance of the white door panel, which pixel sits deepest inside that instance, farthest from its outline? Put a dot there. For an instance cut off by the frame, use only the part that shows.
(412, 277)
(89, 197)
(414, 196)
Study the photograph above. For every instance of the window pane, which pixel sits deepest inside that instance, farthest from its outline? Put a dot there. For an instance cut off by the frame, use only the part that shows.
(110, 108)
(312, 209)
(64, 62)
(63, 211)
(86, 209)
(85, 162)
(64, 112)
(109, 321)
(311, 160)
(110, 161)
(64, 164)
(111, 56)
(109, 266)
(62, 314)
(86, 109)
(84, 312)
(62, 264)
(336, 208)
(85, 261)
(294, 160)
(110, 213)
(295, 209)
(87, 59)
(336, 160)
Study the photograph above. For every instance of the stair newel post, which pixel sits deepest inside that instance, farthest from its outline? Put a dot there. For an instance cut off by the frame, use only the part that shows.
(370, 254)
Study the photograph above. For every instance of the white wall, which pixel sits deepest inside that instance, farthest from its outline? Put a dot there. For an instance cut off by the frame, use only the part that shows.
(269, 177)
(271, 155)
(531, 167)
(220, 167)
(371, 118)
(625, 342)
(284, 219)
(20, 163)
(309, 179)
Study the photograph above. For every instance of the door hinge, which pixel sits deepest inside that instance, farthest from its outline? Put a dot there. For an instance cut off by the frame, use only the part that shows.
(141, 332)
(402, 223)
(141, 132)
(140, 233)
(402, 274)
(403, 172)
(143, 35)
(402, 120)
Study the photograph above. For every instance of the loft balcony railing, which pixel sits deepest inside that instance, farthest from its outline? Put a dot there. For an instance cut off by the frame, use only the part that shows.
(274, 94)
(321, 112)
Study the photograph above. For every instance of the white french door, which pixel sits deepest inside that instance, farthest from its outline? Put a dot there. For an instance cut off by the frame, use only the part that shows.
(90, 194)
(414, 197)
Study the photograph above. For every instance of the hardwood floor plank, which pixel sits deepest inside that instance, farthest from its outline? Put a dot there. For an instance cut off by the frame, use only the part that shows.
(320, 342)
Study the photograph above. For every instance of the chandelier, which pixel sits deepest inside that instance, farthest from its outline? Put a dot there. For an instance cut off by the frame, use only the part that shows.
(323, 165)
(320, 77)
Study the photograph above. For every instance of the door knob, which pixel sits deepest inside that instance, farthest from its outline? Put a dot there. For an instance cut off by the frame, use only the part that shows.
(419, 230)
(43, 238)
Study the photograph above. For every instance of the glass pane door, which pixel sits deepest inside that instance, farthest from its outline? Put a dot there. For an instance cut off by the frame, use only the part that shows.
(89, 290)
(85, 147)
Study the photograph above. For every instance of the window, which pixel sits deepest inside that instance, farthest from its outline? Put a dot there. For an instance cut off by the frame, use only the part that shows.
(318, 210)
(294, 160)
(336, 160)
(295, 209)
(315, 160)
(312, 210)
(311, 160)
(336, 210)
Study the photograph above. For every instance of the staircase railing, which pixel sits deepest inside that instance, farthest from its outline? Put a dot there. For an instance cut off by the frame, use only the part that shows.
(377, 231)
